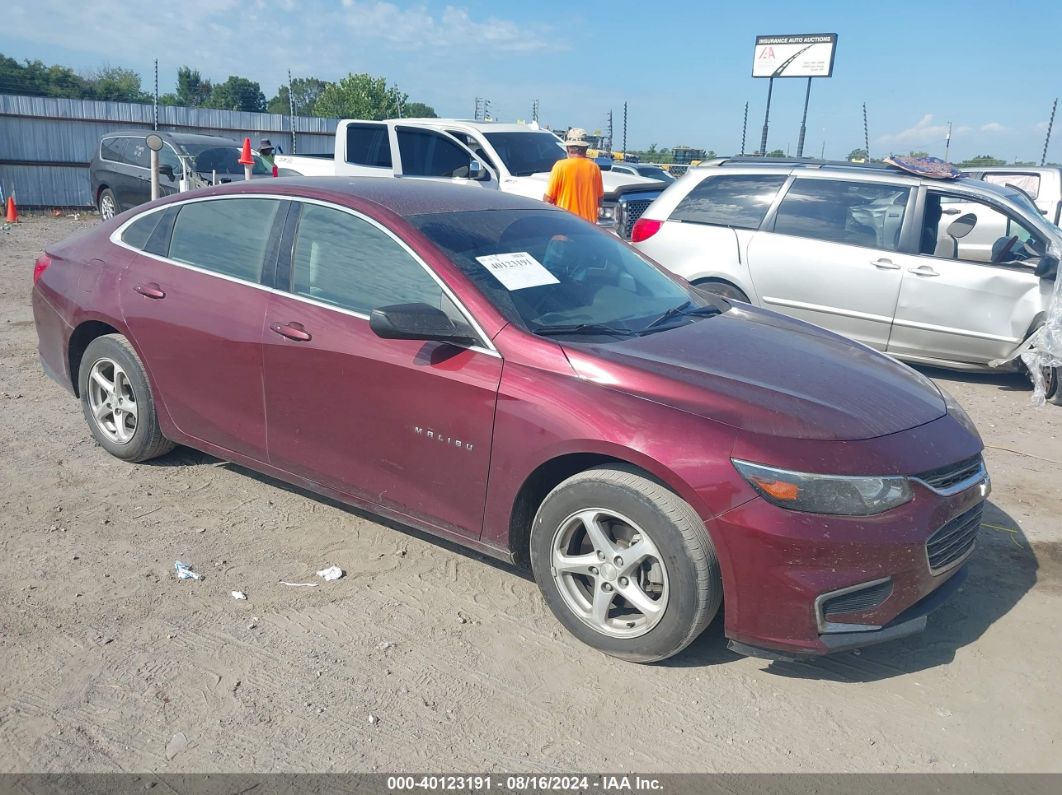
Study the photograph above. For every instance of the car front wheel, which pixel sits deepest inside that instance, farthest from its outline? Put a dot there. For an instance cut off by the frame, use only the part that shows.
(1052, 376)
(117, 402)
(625, 564)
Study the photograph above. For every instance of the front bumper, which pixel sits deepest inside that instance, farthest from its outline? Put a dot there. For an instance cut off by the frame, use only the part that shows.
(779, 566)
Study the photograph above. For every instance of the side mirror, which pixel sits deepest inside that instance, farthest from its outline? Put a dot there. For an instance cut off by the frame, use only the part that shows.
(1047, 267)
(477, 172)
(416, 322)
(166, 170)
(962, 226)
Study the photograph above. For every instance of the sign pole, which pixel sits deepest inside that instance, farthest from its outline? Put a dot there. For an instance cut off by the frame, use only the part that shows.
(744, 128)
(804, 121)
(766, 118)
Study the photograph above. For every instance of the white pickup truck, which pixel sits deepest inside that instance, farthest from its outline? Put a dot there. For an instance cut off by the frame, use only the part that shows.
(514, 158)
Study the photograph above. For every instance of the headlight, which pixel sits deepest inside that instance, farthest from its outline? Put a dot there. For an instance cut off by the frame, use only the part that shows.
(830, 494)
(607, 214)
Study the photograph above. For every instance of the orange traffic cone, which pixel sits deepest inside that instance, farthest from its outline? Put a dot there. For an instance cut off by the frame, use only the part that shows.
(12, 211)
(245, 157)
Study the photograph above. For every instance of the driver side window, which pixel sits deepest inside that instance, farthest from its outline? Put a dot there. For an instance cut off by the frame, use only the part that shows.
(961, 228)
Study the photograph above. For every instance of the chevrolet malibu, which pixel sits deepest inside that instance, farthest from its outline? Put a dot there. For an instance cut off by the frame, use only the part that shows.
(499, 373)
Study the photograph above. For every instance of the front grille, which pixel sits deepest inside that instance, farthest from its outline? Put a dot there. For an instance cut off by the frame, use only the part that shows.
(954, 540)
(857, 601)
(632, 212)
(944, 478)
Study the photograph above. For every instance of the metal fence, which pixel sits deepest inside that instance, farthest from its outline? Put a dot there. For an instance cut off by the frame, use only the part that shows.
(46, 143)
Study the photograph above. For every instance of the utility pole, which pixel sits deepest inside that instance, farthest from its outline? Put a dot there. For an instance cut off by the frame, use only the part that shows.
(1047, 140)
(624, 129)
(744, 127)
(478, 106)
(291, 108)
(947, 143)
(609, 147)
(486, 110)
(534, 110)
(866, 133)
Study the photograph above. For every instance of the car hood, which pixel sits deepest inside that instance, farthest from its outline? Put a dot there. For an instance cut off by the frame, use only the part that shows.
(760, 371)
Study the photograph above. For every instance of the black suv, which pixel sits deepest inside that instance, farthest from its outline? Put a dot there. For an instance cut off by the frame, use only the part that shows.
(121, 175)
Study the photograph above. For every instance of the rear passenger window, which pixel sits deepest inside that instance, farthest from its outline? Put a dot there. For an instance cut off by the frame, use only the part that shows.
(110, 149)
(857, 213)
(735, 201)
(368, 145)
(343, 260)
(226, 236)
(138, 232)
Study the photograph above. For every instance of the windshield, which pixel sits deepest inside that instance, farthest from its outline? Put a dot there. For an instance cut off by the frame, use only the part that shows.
(654, 173)
(527, 153)
(223, 159)
(552, 273)
(1032, 213)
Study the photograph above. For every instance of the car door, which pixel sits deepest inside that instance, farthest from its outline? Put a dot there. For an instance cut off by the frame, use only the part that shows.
(194, 304)
(421, 153)
(402, 424)
(954, 303)
(827, 254)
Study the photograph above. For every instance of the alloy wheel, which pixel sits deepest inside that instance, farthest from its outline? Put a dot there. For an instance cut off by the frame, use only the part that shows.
(112, 401)
(609, 573)
(107, 207)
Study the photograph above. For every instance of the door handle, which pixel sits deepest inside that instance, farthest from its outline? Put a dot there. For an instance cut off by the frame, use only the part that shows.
(150, 290)
(950, 211)
(293, 331)
(923, 270)
(885, 264)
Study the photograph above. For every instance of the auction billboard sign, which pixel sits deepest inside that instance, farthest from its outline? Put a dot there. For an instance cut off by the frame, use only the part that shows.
(795, 56)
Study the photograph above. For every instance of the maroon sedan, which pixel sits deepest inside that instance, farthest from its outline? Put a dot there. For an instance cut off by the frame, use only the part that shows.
(502, 374)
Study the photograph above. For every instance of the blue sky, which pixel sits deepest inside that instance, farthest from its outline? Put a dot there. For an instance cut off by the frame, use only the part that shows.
(683, 67)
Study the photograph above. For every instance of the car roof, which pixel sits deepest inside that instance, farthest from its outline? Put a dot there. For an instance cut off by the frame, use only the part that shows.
(404, 197)
(176, 138)
(482, 126)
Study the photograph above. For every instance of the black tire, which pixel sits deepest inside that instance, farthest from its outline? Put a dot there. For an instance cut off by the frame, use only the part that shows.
(719, 287)
(1053, 392)
(108, 204)
(694, 583)
(146, 440)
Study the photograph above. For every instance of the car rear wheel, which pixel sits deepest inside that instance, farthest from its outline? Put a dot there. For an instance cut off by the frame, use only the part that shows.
(725, 289)
(625, 564)
(117, 402)
(108, 204)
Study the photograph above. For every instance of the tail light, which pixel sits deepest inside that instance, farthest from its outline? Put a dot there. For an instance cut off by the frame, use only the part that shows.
(645, 228)
(42, 263)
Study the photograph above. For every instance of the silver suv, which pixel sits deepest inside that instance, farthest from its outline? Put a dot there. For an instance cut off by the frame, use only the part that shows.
(952, 273)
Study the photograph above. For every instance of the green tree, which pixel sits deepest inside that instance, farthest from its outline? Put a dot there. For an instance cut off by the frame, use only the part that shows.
(115, 84)
(776, 153)
(237, 93)
(305, 90)
(418, 110)
(918, 154)
(983, 160)
(360, 96)
(857, 155)
(192, 90)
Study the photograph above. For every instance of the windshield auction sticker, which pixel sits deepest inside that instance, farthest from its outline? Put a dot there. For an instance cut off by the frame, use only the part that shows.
(518, 270)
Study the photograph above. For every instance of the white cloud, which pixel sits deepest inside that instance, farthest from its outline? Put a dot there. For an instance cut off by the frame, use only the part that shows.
(1040, 127)
(994, 127)
(925, 131)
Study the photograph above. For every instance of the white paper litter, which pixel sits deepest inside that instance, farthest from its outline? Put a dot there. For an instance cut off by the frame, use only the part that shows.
(331, 573)
(239, 595)
(300, 584)
(184, 571)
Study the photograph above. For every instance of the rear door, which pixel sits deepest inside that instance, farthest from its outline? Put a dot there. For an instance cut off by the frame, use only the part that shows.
(195, 311)
(829, 255)
(402, 424)
(955, 303)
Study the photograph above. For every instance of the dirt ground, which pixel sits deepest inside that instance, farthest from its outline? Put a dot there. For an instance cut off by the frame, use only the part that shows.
(427, 658)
